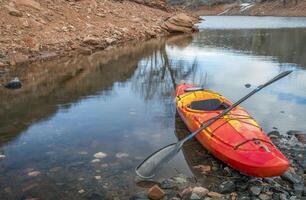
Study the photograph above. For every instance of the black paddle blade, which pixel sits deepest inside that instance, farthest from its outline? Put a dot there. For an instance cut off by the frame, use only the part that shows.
(147, 168)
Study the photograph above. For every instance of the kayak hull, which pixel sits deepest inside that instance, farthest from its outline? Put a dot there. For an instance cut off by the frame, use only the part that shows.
(236, 139)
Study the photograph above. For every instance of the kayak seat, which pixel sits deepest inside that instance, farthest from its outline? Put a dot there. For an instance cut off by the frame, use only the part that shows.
(208, 105)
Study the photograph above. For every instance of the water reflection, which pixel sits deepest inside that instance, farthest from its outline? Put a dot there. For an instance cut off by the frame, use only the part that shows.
(120, 103)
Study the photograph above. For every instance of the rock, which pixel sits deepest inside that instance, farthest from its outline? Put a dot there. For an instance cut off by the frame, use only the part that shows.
(247, 85)
(95, 160)
(200, 191)
(100, 155)
(155, 193)
(187, 191)
(227, 187)
(91, 40)
(194, 196)
(255, 190)
(29, 3)
(34, 173)
(298, 189)
(274, 133)
(2, 156)
(122, 155)
(13, 84)
(18, 58)
(214, 194)
(203, 168)
(264, 197)
(97, 177)
(81, 191)
(293, 178)
(283, 197)
(179, 23)
(13, 11)
(140, 196)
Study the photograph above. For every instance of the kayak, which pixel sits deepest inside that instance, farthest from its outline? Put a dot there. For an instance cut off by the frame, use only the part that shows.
(236, 138)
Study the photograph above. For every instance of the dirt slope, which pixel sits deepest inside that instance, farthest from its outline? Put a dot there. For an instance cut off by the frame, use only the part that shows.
(32, 29)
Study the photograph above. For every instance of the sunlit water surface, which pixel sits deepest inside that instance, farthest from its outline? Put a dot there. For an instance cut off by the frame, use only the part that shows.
(121, 103)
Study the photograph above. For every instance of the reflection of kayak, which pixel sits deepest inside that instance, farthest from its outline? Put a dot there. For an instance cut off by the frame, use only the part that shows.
(236, 139)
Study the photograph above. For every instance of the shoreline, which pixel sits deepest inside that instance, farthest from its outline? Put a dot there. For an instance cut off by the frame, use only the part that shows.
(37, 31)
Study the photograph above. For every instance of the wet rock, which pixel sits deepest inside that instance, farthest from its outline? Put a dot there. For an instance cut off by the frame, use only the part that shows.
(186, 192)
(255, 190)
(283, 197)
(244, 197)
(2, 156)
(179, 23)
(227, 187)
(298, 189)
(100, 155)
(13, 11)
(293, 178)
(214, 194)
(95, 160)
(156, 193)
(200, 191)
(97, 177)
(194, 196)
(275, 133)
(122, 155)
(247, 85)
(34, 173)
(81, 191)
(13, 84)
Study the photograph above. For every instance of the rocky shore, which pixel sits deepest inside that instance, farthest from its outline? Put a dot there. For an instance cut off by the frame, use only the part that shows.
(37, 30)
(230, 184)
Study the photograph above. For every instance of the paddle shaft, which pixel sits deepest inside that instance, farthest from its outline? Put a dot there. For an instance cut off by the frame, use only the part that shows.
(210, 122)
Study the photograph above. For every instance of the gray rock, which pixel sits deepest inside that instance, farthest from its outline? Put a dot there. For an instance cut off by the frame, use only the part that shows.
(264, 197)
(194, 196)
(227, 187)
(255, 190)
(140, 196)
(244, 197)
(298, 189)
(283, 197)
(247, 85)
(293, 178)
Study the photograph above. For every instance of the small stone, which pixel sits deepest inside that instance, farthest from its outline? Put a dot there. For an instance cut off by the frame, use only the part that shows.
(34, 173)
(194, 196)
(81, 191)
(95, 160)
(200, 191)
(97, 177)
(298, 189)
(203, 168)
(100, 155)
(122, 155)
(255, 190)
(293, 178)
(187, 191)
(110, 40)
(247, 85)
(91, 40)
(264, 197)
(155, 193)
(283, 197)
(227, 187)
(214, 194)
(13, 11)
(13, 84)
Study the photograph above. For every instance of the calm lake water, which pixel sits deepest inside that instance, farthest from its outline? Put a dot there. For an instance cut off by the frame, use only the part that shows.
(120, 102)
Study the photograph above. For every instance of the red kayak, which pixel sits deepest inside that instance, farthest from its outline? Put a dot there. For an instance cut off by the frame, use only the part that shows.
(236, 138)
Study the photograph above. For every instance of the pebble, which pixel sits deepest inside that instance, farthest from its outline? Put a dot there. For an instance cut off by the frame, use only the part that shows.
(95, 160)
(100, 155)
(194, 196)
(81, 191)
(97, 177)
(247, 85)
(34, 173)
(264, 197)
(227, 187)
(200, 191)
(255, 190)
(214, 194)
(156, 193)
(122, 155)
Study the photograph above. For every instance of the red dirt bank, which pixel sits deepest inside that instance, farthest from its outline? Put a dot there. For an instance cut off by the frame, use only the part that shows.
(32, 30)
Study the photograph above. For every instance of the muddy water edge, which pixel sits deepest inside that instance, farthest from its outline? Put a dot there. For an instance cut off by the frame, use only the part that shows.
(79, 125)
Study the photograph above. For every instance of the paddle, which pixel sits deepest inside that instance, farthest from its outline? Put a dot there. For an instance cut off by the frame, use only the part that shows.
(151, 164)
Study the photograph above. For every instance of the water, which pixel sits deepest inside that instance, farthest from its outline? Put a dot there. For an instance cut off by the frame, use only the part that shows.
(120, 102)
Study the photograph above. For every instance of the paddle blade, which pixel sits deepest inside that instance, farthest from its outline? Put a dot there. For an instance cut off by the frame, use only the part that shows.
(148, 167)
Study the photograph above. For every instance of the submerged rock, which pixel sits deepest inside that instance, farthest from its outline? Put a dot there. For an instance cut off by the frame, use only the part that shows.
(122, 155)
(13, 84)
(156, 193)
(255, 190)
(34, 173)
(100, 155)
(2, 156)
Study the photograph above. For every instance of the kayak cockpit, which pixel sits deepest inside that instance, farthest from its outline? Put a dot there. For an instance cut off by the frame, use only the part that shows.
(208, 105)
